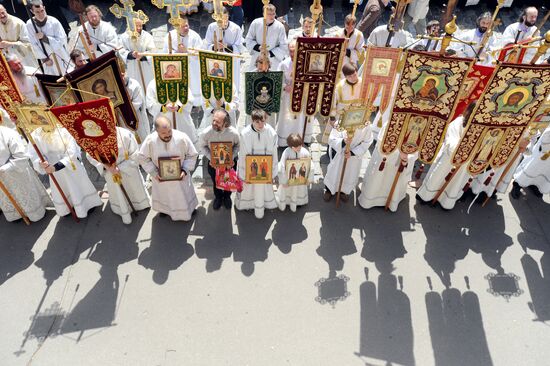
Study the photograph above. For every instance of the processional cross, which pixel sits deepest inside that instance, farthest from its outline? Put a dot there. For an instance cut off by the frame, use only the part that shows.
(127, 11)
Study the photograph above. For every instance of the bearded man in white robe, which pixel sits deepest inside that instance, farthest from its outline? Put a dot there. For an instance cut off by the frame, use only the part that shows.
(62, 156)
(175, 198)
(132, 52)
(14, 38)
(103, 35)
(276, 40)
(51, 35)
(476, 35)
(522, 30)
(229, 39)
(258, 138)
(184, 40)
(184, 122)
(20, 181)
(27, 84)
(127, 168)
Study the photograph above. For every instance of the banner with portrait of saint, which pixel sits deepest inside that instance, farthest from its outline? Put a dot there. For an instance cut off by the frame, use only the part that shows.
(101, 78)
(33, 116)
(511, 102)
(263, 91)
(379, 73)
(55, 92)
(316, 70)
(425, 100)
(9, 92)
(216, 75)
(473, 87)
(93, 126)
(171, 78)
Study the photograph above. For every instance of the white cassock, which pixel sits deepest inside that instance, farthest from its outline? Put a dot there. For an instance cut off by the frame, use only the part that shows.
(522, 33)
(72, 178)
(534, 170)
(103, 38)
(5, 120)
(362, 138)
(194, 41)
(464, 50)
(478, 184)
(28, 85)
(293, 196)
(376, 186)
(18, 178)
(56, 43)
(287, 121)
(379, 36)
(441, 167)
(145, 43)
(345, 95)
(356, 41)
(430, 44)
(233, 40)
(14, 30)
(184, 122)
(256, 196)
(276, 42)
(135, 92)
(132, 180)
(174, 198)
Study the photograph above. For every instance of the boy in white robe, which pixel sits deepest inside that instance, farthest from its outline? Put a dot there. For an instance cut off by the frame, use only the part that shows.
(293, 196)
(19, 180)
(52, 35)
(522, 30)
(442, 166)
(62, 156)
(14, 38)
(184, 122)
(355, 38)
(175, 198)
(258, 138)
(127, 167)
(534, 170)
(185, 40)
(103, 35)
(276, 40)
(132, 52)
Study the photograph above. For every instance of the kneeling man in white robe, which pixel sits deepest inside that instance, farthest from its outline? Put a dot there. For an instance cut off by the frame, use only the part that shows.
(175, 198)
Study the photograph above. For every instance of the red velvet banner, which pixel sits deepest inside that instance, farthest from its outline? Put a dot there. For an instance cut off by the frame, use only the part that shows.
(379, 74)
(473, 87)
(93, 125)
(9, 92)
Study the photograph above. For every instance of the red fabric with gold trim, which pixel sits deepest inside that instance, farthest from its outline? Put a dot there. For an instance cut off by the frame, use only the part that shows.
(505, 52)
(379, 74)
(93, 126)
(473, 87)
(11, 90)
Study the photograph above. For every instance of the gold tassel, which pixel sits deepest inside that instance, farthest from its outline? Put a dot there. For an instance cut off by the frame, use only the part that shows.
(72, 165)
(117, 178)
(382, 165)
(138, 139)
(163, 109)
(36, 91)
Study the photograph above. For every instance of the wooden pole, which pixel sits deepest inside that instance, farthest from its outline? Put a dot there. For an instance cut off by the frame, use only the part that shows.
(170, 52)
(448, 179)
(503, 175)
(117, 178)
(86, 47)
(348, 149)
(18, 208)
(306, 121)
(141, 75)
(400, 169)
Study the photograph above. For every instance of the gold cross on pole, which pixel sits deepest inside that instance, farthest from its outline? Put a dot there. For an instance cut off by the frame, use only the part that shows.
(173, 8)
(127, 11)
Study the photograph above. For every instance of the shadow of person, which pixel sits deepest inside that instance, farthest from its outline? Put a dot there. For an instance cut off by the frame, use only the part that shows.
(252, 245)
(444, 240)
(217, 240)
(532, 213)
(169, 248)
(386, 331)
(538, 282)
(289, 229)
(456, 329)
(16, 253)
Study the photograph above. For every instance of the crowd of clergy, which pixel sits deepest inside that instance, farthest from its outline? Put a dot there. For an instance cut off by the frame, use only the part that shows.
(280, 135)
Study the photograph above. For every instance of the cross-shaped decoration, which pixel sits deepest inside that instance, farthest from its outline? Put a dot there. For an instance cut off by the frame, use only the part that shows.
(173, 9)
(127, 11)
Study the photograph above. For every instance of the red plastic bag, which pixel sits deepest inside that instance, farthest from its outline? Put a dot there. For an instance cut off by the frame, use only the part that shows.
(228, 180)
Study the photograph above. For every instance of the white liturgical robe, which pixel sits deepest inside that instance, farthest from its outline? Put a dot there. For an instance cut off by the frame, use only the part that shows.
(138, 101)
(55, 42)
(103, 38)
(14, 31)
(534, 170)
(145, 43)
(293, 196)
(379, 37)
(276, 42)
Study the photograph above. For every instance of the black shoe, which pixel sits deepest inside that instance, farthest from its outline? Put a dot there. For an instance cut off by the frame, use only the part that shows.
(535, 190)
(420, 200)
(227, 203)
(217, 204)
(516, 191)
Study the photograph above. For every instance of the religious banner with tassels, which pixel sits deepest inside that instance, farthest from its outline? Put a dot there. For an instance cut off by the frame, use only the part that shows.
(263, 91)
(381, 64)
(216, 75)
(9, 92)
(93, 126)
(101, 77)
(316, 71)
(473, 87)
(426, 97)
(171, 78)
(505, 110)
(56, 93)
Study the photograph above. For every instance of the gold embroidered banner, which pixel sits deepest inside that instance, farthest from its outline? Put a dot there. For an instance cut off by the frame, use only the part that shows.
(379, 74)
(426, 97)
(9, 92)
(508, 105)
(316, 70)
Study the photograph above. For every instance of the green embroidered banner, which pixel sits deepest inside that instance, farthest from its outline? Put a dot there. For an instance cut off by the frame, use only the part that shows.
(217, 74)
(172, 78)
(263, 91)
